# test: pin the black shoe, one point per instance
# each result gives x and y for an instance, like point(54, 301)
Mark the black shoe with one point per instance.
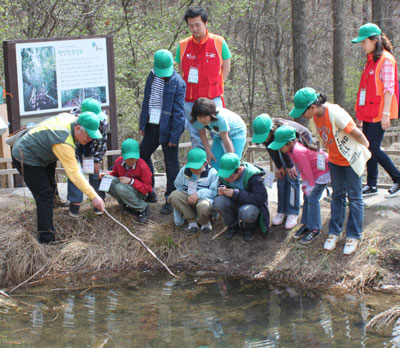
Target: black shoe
point(309, 236)
point(97, 211)
point(369, 191)
point(151, 197)
point(166, 209)
point(143, 216)
point(74, 210)
point(126, 210)
point(231, 232)
point(300, 232)
point(248, 235)
point(46, 237)
point(394, 191)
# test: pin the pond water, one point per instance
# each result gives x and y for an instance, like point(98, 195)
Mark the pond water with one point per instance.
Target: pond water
point(155, 311)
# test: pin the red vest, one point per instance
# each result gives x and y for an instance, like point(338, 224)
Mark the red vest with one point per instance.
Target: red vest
point(372, 109)
point(206, 56)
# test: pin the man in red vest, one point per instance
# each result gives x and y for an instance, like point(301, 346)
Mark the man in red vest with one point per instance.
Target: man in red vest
point(204, 63)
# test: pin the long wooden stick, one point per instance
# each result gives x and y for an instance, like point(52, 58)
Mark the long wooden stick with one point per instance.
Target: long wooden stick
point(141, 242)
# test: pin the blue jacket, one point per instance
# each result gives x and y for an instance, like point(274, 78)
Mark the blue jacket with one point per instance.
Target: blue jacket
point(207, 186)
point(172, 121)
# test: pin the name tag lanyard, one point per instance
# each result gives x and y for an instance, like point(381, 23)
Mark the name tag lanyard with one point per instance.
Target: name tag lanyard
point(193, 76)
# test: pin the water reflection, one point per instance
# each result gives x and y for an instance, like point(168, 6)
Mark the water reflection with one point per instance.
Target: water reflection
point(206, 313)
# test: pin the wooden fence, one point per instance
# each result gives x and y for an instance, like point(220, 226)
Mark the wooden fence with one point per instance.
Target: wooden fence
point(7, 172)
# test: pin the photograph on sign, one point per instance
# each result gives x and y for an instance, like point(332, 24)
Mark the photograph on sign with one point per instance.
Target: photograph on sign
point(58, 75)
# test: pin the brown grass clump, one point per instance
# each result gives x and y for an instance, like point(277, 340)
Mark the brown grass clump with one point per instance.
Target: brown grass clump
point(385, 318)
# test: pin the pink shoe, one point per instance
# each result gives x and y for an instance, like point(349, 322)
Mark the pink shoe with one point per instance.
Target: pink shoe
point(291, 221)
point(278, 219)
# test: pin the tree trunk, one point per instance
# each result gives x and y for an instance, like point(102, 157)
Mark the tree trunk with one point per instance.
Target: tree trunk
point(377, 13)
point(366, 12)
point(300, 47)
point(338, 52)
point(277, 58)
point(388, 19)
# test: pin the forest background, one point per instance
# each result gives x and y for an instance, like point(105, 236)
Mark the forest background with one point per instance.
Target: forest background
point(277, 46)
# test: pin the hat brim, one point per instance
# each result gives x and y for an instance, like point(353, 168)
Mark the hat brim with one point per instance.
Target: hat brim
point(359, 39)
point(129, 155)
point(195, 165)
point(94, 134)
point(225, 173)
point(276, 145)
point(296, 112)
point(260, 138)
point(164, 72)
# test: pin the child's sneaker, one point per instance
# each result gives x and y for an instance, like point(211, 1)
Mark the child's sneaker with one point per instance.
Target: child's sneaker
point(291, 221)
point(278, 219)
point(193, 227)
point(74, 210)
point(394, 191)
point(350, 246)
point(369, 191)
point(309, 237)
point(207, 228)
point(300, 232)
point(330, 243)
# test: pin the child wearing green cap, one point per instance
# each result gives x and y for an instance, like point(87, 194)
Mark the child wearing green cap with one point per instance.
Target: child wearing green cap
point(377, 104)
point(196, 187)
point(242, 198)
point(314, 170)
point(348, 152)
point(94, 152)
point(288, 183)
point(131, 180)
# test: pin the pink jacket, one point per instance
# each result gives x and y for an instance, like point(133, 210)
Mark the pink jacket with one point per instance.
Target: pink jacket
point(306, 162)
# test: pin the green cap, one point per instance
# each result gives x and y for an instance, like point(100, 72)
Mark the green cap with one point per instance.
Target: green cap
point(283, 135)
point(130, 149)
point(366, 31)
point(163, 63)
point(196, 158)
point(228, 163)
point(303, 99)
point(90, 104)
point(262, 124)
point(90, 122)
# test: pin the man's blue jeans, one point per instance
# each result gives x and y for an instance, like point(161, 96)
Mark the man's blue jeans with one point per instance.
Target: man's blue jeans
point(194, 133)
point(311, 216)
point(346, 181)
point(374, 133)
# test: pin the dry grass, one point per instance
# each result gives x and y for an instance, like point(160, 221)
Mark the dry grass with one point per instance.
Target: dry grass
point(384, 319)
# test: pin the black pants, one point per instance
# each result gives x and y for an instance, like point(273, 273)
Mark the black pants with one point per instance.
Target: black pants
point(41, 182)
point(149, 144)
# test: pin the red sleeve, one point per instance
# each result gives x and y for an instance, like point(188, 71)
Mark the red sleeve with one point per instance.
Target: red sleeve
point(143, 178)
point(117, 163)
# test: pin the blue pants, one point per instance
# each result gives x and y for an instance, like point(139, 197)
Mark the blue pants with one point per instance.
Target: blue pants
point(149, 144)
point(74, 195)
point(233, 213)
point(311, 216)
point(218, 150)
point(344, 181)
point(194, 133)
point(374, 133)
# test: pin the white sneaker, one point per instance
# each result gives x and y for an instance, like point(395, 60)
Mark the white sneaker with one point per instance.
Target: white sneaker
point(350, 246)
point(207, 228)
point(330, 243)
point(193, 227)
point(291, 221)
point(278, 219)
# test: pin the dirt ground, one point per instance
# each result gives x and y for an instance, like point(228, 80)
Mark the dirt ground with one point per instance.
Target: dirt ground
point(96, 244)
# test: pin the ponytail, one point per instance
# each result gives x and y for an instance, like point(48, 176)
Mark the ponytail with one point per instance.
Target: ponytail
point(382, 42)
point(321, 99)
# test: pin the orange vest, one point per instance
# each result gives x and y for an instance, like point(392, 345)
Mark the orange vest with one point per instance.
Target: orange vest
point(206, 56)
point(372, 109)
